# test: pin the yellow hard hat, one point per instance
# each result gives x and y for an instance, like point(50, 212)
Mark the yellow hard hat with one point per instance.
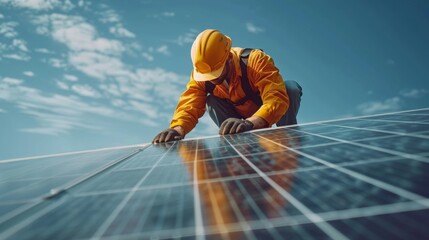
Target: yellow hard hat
point(209, 53)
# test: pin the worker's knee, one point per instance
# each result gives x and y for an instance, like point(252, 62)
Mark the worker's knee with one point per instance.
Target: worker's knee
point(214, 102)
point(294, 90)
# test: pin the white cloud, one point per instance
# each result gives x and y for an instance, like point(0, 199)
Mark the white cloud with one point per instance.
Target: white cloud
point(101, 58)
point(155, 86)
point(163, 49)
point(93, 55)
point(57, 63)
point(28, 73)
point(2, 111)
point(43, 50)
point(82, 3)
point(97, 65)
point(55, 113)
point(111, 89)
point(133, 48)
point(186, 38)
point(148, 56)
point(164, 15)
point(62, 85)
point(7, 29)
point(120, 31)
point(109, 16)
point(373, 107)
point(132, 94)
point(12, 81)
point(253, 29)
point(3, 47)
point(15, 48)
point(20, 44)
point(40, 4)
point(76, 34)
point(168, 14)
point(51, 130)
point(414, 93)
point(145, 108)
point(19, 56)
point(1, 16)
point(85, 90)
point(118, 103)
point(52, 123)
point(70, 78)
point(161, 86)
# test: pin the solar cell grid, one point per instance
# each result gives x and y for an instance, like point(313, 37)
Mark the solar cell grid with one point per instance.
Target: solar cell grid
point(404, 173)
point(343, 179)
point(345, 153)
point(399, 118)
point(114, 180)
point(405, 144)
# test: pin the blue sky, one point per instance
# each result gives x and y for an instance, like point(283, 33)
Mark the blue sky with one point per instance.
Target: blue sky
point(78, 75)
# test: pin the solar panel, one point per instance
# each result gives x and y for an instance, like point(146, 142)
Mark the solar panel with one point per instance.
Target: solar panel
point(353, 178)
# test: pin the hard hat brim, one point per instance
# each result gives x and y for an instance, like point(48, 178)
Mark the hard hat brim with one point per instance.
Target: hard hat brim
point(202, 77)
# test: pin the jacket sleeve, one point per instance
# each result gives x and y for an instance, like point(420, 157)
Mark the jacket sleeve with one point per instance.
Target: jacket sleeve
point(191, 106)
point(266, 78)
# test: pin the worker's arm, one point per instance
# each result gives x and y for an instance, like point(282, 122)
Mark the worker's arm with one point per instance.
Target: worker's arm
point(265, 77)
point(190, 108)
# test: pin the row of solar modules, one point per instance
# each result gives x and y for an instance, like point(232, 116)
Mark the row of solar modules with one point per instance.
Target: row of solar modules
point(338, 179)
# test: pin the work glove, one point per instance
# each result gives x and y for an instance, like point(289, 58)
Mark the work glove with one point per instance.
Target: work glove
point(235, 125)
point(167, 135)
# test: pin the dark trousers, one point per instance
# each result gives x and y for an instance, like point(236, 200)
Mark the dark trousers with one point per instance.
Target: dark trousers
point(220, 109)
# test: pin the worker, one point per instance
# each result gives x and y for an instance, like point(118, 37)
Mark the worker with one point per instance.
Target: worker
point(217, 83)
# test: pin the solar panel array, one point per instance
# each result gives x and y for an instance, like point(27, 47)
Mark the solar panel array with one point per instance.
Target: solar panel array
point(362, 178)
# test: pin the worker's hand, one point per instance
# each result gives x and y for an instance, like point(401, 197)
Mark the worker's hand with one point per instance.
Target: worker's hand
point(235, 125)
point(167, 135)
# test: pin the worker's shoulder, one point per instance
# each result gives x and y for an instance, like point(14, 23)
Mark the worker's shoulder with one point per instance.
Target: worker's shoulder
point(238, 50)
point(257, 56)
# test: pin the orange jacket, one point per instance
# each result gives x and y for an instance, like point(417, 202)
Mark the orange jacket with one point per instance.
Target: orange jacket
point(263, 76)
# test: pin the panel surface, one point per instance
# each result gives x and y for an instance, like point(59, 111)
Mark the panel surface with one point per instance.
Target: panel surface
point(360, 178)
